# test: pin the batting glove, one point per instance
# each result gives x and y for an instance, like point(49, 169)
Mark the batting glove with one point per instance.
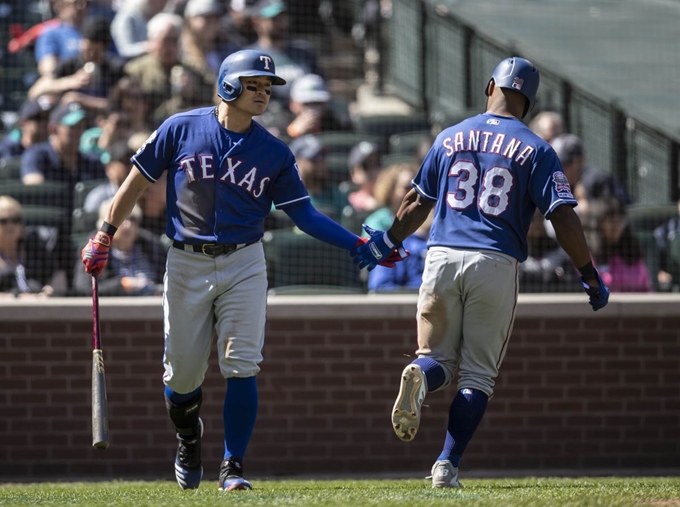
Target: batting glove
point(380, 249)
point(95, 254)
point(599, 296)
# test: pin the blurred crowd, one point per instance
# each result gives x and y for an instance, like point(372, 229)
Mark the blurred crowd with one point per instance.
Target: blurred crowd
point(107, 73)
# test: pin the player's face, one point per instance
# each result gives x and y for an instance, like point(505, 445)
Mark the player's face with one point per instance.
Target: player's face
point(255, 95)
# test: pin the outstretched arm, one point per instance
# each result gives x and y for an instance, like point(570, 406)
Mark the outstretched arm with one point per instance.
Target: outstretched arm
point(310, 221)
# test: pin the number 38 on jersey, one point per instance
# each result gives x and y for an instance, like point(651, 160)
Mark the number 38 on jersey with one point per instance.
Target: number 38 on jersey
point(493, 191)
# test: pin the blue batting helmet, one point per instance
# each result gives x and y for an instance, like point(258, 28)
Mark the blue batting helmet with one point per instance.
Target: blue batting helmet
point(247, 62)
point(517, 74)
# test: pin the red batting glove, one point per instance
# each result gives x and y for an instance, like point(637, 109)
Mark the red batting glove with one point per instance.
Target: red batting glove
point(96, 253)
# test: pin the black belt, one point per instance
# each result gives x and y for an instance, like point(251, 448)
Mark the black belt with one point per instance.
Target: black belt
point(212, 249)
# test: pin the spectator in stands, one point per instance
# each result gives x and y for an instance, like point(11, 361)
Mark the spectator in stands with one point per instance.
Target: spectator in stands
point(667, 237)
point(31, 127)
point(204, 45)
point(587, 183)
point(406, 276)
point(390, 188)
point(129, 26)
point(88, 77)
point(117, 169)
point(311, 161)
point(169, 84)
point(364, 168)
point(310, 107)
point(27, 266)
point(239, 24)
point(127, 96)
point(619, 256)
point(294, 57)
point(136, 261)
point(111, 127)
point(59, 159)
point(547, 125)
point(547, 268)
point(61, 40)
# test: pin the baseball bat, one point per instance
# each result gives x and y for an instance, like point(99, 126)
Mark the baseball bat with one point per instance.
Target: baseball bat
point(100, 417)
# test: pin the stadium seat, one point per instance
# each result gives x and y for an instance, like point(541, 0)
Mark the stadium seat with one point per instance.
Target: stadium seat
point(83, 221)
point(353, 219)
point(277, 219)
point(337, 167)
point(47, 216)
point(294, 258)
point(407, 142)
point(49, 193)
point(83, 188)
point(398, 158)
point(385, 126)
point(343, 141)
point(10, 169)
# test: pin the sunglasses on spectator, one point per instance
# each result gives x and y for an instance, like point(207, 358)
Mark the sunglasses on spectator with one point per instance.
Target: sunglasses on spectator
point(12, 220)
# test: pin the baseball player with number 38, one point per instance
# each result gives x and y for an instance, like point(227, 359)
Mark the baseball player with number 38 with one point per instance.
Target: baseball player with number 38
point(224, 173)
point(484, 177)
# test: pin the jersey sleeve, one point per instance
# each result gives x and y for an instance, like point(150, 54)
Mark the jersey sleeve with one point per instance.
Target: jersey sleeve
point(426, 181)
point(548, 185)
point(288, 188)
point(46, 45)
point(32, 162)
point(155, 155)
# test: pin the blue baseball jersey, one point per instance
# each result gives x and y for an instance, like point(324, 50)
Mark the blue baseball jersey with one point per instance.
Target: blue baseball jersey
point(488, 175)
point(221, 184)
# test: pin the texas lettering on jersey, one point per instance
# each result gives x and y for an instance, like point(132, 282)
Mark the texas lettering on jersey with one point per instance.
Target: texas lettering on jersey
point(202, 168)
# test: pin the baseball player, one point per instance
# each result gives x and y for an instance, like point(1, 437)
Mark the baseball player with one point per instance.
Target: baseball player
point(484, 177)
point(224, 171)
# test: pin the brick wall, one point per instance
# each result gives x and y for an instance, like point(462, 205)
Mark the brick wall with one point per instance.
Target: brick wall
point(577, 390)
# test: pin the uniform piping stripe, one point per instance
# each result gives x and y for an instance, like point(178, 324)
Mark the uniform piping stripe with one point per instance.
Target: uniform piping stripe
point(557, 203)
point(290, 202)
point(139, 166)
point(512, 320)
point(420, 191)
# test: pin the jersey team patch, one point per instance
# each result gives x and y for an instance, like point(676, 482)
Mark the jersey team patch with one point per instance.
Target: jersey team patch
point(492, 121)
point(561, 183)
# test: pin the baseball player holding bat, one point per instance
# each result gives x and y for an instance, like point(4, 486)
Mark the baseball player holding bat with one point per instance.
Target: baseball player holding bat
point(224, 171)
point(484, 177)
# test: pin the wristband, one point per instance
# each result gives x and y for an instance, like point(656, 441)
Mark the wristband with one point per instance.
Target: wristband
point(588, 272)
point(108, 228)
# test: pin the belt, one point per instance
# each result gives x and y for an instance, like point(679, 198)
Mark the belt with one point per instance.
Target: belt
point(212, 249)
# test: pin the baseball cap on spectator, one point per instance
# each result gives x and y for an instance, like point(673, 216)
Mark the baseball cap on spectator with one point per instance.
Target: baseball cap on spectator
point(34, 108)
point(67, 114)
point(269, 8)
point(568, 148)
point(308, 89)
point(202, 8)
point(360, 153)
point(97, 29)
point(306, 147)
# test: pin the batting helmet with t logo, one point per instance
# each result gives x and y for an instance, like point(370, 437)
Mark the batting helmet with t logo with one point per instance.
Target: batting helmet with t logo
point(519, 75)
point(248, 62)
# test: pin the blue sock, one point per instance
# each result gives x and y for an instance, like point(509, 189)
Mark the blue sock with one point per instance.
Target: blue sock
point(240, 412)
point(466, 410)
point(434, 373)
point(181, 399)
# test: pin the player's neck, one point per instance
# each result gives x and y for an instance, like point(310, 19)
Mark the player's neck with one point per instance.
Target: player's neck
point(500, 111)
point(233, 119)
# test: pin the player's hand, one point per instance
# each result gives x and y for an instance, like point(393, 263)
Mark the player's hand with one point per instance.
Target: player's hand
point(599, 295)
point(380, 249)
point(96, 253)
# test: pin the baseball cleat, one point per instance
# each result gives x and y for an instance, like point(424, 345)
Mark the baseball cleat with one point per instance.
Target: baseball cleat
point(444, 475)
point(406, 411)
point(231, 476)
point(188, 469)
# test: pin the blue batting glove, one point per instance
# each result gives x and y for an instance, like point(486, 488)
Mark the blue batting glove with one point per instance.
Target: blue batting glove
point(374, 251)
point(599, 296)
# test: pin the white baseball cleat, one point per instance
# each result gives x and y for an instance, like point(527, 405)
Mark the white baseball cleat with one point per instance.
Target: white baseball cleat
point(406, 411)
point(444, 475)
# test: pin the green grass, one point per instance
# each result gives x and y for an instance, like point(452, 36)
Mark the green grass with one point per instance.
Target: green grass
point(526, 492)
